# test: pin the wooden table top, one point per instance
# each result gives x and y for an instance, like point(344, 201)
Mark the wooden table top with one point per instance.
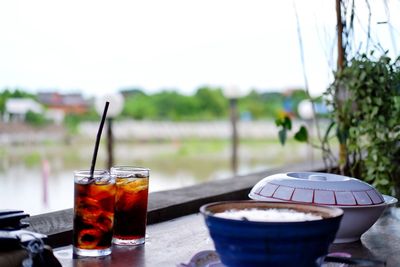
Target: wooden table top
point(176, 241)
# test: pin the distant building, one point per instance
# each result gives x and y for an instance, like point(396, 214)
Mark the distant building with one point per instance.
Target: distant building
point(17, 108)
point(58, 105)
point(73, 103)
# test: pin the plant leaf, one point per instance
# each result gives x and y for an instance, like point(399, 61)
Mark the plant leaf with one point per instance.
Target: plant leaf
point(328, 130)
point(282, 136)
point(278, 122)
point(302, 134)
point(383, 181)
point(287, 123)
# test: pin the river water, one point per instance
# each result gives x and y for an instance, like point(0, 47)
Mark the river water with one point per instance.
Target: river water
point(39, 178)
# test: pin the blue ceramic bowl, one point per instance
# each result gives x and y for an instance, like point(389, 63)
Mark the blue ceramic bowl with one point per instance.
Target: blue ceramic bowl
point(241, 243)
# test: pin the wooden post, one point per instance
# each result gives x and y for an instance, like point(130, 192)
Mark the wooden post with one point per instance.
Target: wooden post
point(234, 117)
point(338, 93)
point(110, 157)
point(340, 59)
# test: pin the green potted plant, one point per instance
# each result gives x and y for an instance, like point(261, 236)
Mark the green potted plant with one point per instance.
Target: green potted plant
point(365, 110)
point(367, 118)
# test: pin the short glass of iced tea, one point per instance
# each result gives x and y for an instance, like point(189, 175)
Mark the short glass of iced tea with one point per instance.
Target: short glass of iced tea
point(93, 213)
point(130, 204)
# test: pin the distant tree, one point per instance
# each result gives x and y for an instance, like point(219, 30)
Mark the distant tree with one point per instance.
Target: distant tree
point(187, 108)
point(16, 93)
point(208, 103)
point(273, 102)
point(299, 94)
point(71, 122)
point(3, 99)
point(90, 115)
point(130, 92)
point(212, 101)
point(254, 104)
point(139, 106)
point(19, 93)
point(174, 106)
point(36, 119)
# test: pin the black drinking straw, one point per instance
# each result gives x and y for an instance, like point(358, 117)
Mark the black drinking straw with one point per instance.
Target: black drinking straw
point(96, 146)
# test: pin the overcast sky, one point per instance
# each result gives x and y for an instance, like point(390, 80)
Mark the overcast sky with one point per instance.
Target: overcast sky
point(96, 46)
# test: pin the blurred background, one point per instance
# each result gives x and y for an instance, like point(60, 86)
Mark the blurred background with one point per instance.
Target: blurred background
point(197, 87)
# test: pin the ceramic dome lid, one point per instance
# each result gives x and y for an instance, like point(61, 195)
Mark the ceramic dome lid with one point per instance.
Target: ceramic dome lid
point(316, 188)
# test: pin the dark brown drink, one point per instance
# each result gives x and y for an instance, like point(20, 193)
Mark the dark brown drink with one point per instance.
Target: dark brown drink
point(93, 216)
point(130, 207)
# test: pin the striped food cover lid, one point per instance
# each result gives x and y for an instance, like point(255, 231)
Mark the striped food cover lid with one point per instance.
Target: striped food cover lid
point(316, 188)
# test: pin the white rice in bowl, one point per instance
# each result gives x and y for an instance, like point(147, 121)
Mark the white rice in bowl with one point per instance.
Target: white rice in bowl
point(268, 215)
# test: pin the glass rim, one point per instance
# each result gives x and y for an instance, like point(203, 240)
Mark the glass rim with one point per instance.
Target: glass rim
point(96, 173)
point(129, 168)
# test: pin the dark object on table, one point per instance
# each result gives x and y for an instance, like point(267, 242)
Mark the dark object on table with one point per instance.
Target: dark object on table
point(11, 219)
point(10, 224)
point(39, 254)
point(19, 247)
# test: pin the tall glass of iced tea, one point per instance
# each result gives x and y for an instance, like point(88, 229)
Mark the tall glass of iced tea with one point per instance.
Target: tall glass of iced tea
point(130, 204)
point(93, 213)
